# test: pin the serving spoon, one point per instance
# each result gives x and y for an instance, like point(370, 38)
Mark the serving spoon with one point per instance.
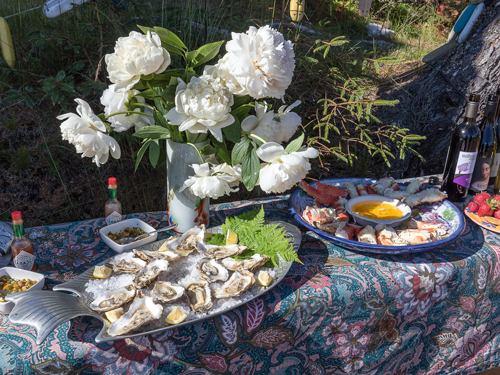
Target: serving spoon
point(127, 240)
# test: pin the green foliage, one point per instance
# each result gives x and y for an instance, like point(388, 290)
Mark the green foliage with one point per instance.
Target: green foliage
point(258, 237)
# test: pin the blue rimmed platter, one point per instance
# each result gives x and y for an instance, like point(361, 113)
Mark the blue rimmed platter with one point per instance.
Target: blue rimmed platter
point(444, 213)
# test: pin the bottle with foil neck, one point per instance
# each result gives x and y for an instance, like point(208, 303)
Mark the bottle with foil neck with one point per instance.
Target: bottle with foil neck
point(462, 154)
point(22, 249)
point(113, 207)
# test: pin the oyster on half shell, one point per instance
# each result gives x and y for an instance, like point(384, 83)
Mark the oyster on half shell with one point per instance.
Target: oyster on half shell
point(126, 262)
point(219, 252)
point(239, 282)
point(150, 256)
point(142, 311)
point(167, 292)
point(200, 298)
point(113, 299)
point(212, 271)
point(185, 244)
point(251, 264)
point(149, 273)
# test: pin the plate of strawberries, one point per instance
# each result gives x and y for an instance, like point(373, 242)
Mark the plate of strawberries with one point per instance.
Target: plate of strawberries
point(484, 210)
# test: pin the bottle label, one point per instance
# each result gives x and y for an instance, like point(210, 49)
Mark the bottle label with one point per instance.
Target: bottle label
point(465, 167)
point(24, 260)
point(481, 175)
point(496, 165)
point(113, 217)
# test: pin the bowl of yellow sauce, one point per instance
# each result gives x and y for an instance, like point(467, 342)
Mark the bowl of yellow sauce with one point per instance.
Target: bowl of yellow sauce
point(377, 209)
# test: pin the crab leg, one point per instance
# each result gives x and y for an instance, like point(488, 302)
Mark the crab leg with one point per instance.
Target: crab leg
point(325, 199)
point(333, 191)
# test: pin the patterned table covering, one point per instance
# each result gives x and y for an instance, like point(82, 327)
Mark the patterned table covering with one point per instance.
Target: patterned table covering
point(340, 312)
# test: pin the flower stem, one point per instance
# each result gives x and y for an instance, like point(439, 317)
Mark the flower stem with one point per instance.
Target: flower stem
point(198, 151)
point(143, 105)
point(255, 136)
point(131, 112)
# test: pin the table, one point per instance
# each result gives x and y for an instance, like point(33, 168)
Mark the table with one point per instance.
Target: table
point(340, 312)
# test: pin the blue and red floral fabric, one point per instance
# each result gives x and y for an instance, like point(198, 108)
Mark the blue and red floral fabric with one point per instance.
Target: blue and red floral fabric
point(339, 312)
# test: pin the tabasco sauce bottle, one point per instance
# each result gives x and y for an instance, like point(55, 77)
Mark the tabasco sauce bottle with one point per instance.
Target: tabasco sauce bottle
point(22, 250)
point(113, 207)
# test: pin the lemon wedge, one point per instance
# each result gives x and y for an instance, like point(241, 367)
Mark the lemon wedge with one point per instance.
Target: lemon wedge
point(264, 278)
point(176, 316)
point(231, 238)
point(114, 315)
point(102, 272)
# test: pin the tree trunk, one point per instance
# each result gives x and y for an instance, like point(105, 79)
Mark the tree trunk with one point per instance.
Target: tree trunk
point(432, 97)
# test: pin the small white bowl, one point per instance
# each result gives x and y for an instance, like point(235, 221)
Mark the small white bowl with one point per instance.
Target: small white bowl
point(119, 227)
point(361, 220)
point(19, 274)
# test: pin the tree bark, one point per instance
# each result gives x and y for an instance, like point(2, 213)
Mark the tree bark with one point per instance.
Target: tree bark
point(433, 97)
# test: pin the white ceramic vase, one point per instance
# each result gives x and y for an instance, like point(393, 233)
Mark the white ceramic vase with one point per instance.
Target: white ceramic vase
point(184, 208)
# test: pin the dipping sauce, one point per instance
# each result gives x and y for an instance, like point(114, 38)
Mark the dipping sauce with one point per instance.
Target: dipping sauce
point(377, 210)
point(9, 285)
point(128, 232)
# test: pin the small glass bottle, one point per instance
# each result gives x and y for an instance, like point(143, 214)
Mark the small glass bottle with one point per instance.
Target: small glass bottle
point(22, 250)
point(113, 207)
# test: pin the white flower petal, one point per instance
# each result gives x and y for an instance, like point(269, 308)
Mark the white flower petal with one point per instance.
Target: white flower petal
point(270, 151)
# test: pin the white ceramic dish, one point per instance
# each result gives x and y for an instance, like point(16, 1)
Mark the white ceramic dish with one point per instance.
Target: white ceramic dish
point(19, 274)
point(119, 227)
point(361, 220)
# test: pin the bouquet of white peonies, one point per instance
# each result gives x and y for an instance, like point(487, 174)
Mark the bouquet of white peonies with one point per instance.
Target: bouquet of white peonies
point(223, 109)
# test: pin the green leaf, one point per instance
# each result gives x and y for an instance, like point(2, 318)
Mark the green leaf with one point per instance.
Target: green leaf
point(141, 152)
point(60, 75)
point(154, 153)
point(222, 152)
point(239, 101)
point(169, 40)
point(160, 120)
point(206, 53)
point(239, 150)
point(208, 150)
point(147, 94)
point(233, 131)
point(311, 59)
point(242, 111)
point(152, 131)
point(295, 144)
point(250, 168)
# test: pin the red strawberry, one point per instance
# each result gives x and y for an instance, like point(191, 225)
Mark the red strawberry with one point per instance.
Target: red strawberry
point(496, 197)
point(473, 206)
point(485, 209)
point(481, 197)
point(497, 214)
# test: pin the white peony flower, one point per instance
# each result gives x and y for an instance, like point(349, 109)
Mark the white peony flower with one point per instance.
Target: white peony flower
point(203, 104)
point(272, 127)
point(261, 61)
point(282, 170)
point(115, 100)
point(134, 56)
point(289, 122)
point(212, 182)
point(222, 70)
point(86, 133)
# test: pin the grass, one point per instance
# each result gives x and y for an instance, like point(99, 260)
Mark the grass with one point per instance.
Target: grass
point(62, 58)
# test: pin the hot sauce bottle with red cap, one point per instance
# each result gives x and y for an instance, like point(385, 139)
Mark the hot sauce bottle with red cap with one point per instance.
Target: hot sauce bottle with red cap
point(22, 250)
point(113, 207)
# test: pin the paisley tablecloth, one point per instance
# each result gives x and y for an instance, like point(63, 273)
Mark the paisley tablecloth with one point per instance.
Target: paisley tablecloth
point(340, 312)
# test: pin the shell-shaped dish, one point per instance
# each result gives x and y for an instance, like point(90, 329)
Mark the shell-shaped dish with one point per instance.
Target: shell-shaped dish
point(151, 256)
point(212, 271)
point(113, 299)
point(239, 282)
point(251, 264)
point(219, 252)
point(200, 298)
point(186, 243)
point(167, 292)
point(142, 311)
point(126, 262)
point(149, 273)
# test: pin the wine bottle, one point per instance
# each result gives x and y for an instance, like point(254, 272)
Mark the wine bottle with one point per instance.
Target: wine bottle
point(495, 168)
point(462, 154)
point(487, 147)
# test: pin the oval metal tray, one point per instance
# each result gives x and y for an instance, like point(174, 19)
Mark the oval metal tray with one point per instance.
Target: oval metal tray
point(53, 308)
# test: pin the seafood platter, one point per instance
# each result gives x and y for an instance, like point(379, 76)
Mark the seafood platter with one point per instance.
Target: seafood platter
point(349, 212)
point(159, 286)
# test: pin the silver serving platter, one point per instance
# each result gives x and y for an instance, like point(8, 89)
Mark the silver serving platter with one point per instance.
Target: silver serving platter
point(46, 310)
